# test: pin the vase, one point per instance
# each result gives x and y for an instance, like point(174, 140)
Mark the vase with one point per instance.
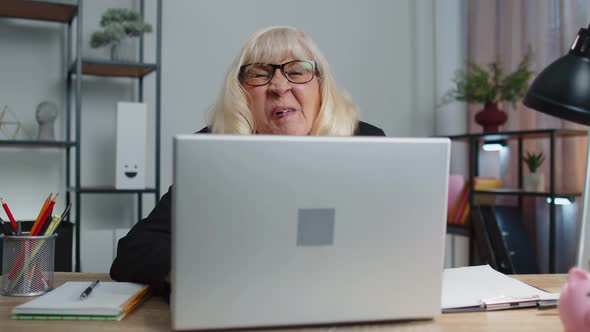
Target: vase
point(490, 118)
point(124, 50)
point(115, 51)
point(534, 182)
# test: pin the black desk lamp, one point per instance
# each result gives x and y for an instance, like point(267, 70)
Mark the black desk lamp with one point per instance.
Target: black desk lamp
point(563, 90)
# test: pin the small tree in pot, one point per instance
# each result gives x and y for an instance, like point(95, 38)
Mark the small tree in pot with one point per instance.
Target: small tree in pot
point(490, 87)
point(534, 181)
point(117, 24)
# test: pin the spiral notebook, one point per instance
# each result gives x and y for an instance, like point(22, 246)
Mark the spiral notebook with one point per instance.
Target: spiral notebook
point(108, 301)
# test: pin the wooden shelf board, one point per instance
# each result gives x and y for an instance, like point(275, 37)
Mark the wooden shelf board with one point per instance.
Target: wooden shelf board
point(38, 10)
point(114, 68)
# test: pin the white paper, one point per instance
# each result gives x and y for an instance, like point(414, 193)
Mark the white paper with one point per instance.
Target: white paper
point(106, 299)
point(468, 286)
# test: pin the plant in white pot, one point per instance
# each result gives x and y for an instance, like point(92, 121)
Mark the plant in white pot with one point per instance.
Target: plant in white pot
point(118, 24)
point(534, 181)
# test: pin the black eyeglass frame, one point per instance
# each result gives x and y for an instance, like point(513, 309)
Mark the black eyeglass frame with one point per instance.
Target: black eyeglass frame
point(282, 68)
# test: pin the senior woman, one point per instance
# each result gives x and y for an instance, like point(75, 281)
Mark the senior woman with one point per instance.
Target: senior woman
point(280, 83)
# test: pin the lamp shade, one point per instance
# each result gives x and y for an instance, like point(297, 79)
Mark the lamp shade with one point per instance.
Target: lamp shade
point(563, 88)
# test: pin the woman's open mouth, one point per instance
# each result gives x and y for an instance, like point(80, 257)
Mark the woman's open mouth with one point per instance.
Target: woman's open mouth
point(282, 112)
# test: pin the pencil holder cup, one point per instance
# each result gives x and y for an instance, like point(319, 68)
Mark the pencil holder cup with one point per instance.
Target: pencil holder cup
point(27, 264)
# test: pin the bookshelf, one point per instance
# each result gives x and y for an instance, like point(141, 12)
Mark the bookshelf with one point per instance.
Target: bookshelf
point(63, 13)
point(475, 141)
point(69, 13)
point(82, 67)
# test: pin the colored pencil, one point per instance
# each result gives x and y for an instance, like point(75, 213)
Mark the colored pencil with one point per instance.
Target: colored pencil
point(41, 213)
point(9, 214)
point(48, 211)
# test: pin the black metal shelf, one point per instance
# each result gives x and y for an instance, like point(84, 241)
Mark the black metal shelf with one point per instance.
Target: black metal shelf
point(39, 10)
point(525, 134)
point(520, 192)
point(64, 11)
point(80, 66)
point(36, 144)
point(110, 190)
point(109, 68)
point(476, 140)
point(457, 229)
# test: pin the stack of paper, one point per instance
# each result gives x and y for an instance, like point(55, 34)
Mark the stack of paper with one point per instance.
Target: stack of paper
point(483, 288)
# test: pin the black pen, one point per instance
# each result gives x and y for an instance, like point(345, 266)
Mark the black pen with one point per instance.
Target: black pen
point(88, 290)
point(64, 214)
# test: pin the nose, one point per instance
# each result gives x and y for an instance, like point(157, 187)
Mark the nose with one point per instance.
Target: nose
point(279, 83)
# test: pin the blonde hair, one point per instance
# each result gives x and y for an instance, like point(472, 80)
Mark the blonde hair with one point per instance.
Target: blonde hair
point(232, 115)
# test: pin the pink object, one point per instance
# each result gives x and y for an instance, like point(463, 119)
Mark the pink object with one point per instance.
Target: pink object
point(574, 301)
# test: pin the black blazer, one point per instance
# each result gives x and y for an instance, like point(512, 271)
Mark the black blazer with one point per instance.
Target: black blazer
point(363, 129)
point(143, 255)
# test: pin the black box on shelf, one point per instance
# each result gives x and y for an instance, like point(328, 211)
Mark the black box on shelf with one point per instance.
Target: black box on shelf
point(63, 245)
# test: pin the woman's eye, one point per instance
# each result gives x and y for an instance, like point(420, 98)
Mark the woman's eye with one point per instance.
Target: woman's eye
point(294, 73)
point(258, 74)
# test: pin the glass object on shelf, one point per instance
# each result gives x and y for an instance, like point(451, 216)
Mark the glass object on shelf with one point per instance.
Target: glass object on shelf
point(9, 124)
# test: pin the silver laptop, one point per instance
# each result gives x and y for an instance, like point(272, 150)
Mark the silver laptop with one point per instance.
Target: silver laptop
point(285, 230)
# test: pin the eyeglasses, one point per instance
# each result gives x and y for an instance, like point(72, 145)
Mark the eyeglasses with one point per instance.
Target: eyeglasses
point(258, 74)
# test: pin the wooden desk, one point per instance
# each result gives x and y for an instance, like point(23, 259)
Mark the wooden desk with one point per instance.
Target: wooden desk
point(154, 315)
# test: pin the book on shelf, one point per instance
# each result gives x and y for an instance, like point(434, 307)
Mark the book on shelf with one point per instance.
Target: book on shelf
point(456, 186)
point(486, 183)
point(458, 204)
point(455, 214)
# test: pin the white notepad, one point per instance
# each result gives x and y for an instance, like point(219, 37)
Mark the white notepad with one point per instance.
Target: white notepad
point(108, 300)
point(483, 288)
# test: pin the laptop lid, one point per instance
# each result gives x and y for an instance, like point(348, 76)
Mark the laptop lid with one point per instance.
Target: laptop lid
point(287, 230)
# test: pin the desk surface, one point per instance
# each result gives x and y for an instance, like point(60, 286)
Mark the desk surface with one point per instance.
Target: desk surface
point(154, 315)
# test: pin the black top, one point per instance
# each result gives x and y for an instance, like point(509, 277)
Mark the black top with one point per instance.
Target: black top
point(143, 255)
point(363, 129)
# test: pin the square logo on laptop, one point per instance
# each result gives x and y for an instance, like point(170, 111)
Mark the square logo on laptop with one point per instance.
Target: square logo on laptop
point(315, 227)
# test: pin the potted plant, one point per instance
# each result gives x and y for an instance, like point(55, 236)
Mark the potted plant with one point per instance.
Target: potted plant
point(491, 87)
point(534, 181)
point(118, 24)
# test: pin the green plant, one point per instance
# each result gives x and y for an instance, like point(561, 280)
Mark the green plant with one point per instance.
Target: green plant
point(478, 85)
point(118, 23)
point(533, 160)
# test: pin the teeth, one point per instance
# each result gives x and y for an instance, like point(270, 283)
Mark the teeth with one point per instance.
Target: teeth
point(281, 112)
